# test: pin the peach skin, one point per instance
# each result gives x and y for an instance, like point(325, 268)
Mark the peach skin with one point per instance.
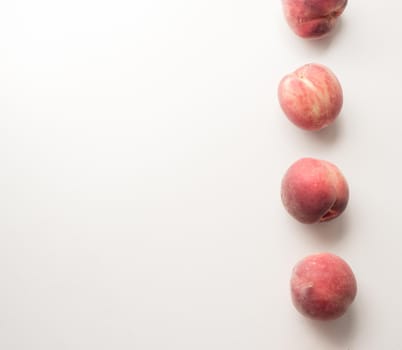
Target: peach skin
point(322, 286)
point(313, 18)
point(314, 191)
point(311, 97)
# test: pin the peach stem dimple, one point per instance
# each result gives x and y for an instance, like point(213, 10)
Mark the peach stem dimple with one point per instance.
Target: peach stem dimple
point(328, 215)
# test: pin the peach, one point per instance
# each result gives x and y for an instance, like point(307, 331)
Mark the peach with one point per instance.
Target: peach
point(313, 18)
point(314, 190)
point(311, 97)
point(322, 286)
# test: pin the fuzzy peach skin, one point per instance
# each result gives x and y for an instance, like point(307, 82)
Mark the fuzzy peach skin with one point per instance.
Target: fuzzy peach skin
point(314, 190)
point(322, 286)
point(313, 18)
point(311, 97)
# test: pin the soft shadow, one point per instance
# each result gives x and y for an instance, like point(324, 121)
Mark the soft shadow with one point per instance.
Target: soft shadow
point(328, 135)
point(323, 44)
point(340, 331)
point(330, 232)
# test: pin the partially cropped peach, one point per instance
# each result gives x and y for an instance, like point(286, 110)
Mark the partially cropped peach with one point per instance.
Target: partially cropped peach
point(311, 97)
point(323, 286)
point(314, 190)
point(313, 18)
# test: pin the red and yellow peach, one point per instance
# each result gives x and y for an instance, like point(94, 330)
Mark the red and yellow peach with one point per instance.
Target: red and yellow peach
point(322, 286)
point(313, 18)
point(314, 190)
point(311, 97)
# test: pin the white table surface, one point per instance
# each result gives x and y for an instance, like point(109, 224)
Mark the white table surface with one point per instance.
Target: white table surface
point(141, 152)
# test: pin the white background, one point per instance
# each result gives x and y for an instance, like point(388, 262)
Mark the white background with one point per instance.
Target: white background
point(141, 152)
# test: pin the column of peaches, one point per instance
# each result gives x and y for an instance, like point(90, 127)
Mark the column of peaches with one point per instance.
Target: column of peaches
point(313, 190)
